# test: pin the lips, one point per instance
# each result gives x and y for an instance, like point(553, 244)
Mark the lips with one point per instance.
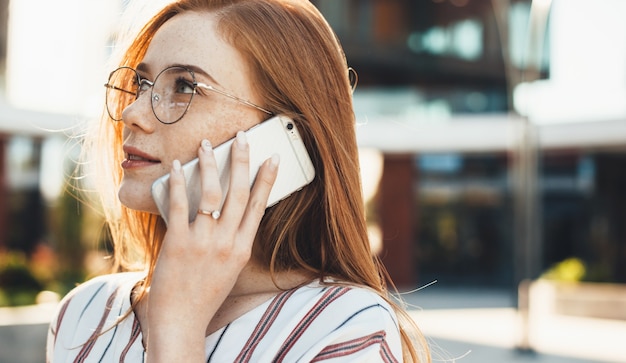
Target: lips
point(135, 158)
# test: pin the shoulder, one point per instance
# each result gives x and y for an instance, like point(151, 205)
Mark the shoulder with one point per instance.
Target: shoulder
point(104, 285)
point(89, 310)
point(351, 301)
point(343, 321)
point(99, 294)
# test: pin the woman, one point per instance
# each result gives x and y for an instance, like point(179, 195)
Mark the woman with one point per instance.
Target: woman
point(293, 282)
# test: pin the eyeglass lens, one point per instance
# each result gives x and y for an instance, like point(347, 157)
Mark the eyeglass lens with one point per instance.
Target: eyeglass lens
point(121, 90)
point(170, 95)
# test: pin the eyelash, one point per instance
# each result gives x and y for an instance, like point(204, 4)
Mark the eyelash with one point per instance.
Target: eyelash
point(184, 82)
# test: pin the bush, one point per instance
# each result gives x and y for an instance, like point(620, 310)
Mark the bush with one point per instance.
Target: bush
point(569, 270)
point(18, 286)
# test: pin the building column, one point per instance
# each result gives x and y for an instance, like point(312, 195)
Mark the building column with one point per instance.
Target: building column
point(3, 193)
point(397, 210)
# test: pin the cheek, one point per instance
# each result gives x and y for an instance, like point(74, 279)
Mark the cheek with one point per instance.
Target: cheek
point(218, 128)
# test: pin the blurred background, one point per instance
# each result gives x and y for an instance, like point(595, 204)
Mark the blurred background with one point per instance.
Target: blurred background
point(493, 139)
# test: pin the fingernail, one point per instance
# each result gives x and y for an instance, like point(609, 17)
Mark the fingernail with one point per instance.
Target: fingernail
point(274, 161)
point(206, 146)
point(242, 142)
point(176, 166)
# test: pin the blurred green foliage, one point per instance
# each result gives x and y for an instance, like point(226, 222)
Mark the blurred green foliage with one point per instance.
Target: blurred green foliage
point(56, 261)
point(18, 285)
point(569, 270)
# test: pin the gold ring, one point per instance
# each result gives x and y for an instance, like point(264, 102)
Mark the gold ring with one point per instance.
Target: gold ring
point(215, 214)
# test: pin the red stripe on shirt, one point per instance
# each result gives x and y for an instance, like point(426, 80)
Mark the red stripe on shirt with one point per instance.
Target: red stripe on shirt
point(328, 297)
point(136, 329)
point(60, 319)
point(356, 345)
point(386, 353)
point(264, 325)
point(86, 349)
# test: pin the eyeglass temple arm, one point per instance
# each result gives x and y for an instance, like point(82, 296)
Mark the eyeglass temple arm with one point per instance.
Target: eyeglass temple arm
point(248, 103)
point(110, 86)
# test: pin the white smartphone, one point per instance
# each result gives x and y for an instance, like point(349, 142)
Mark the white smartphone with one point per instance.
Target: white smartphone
point(277, 135)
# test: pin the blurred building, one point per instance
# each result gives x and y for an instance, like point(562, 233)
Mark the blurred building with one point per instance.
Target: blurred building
point(52, 67)
point(503, 129)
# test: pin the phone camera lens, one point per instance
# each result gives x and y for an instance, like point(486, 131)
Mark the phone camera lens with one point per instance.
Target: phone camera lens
point(289, 126)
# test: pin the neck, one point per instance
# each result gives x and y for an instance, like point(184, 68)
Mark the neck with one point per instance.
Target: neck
point(255, 279)
point(255, 285)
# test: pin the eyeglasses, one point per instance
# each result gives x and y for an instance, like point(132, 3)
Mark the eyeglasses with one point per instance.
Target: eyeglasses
point(170, 97)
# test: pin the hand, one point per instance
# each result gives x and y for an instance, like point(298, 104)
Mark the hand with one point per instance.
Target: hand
point(200, 262)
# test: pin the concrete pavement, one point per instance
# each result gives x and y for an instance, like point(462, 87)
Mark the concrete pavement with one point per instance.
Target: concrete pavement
point(472, 326)
point(23, 332)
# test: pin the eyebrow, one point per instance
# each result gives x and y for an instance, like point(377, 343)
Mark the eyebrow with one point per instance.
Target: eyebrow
point(143, 67)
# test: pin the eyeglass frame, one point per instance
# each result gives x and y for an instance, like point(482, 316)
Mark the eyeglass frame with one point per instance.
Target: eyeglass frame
point(195, 84)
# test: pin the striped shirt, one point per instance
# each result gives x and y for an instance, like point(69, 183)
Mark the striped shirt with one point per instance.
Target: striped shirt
point(313, 323)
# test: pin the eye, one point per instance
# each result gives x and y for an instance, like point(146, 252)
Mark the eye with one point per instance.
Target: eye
point(144, 85)
point(184, 86)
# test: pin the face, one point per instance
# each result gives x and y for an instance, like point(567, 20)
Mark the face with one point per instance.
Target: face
point(150, 147)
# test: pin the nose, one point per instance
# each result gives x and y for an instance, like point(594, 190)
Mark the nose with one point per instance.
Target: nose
point(138, 116)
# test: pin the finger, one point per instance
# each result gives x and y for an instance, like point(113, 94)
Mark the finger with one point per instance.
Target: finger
point(239, 184)
point(211, 190)
point(259, 195)
point(179, 209)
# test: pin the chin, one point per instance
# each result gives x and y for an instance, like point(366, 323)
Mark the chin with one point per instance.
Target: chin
point(139, 200)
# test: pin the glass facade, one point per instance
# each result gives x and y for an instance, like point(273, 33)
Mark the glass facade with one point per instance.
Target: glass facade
point(464, 218)
point(455, 52)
